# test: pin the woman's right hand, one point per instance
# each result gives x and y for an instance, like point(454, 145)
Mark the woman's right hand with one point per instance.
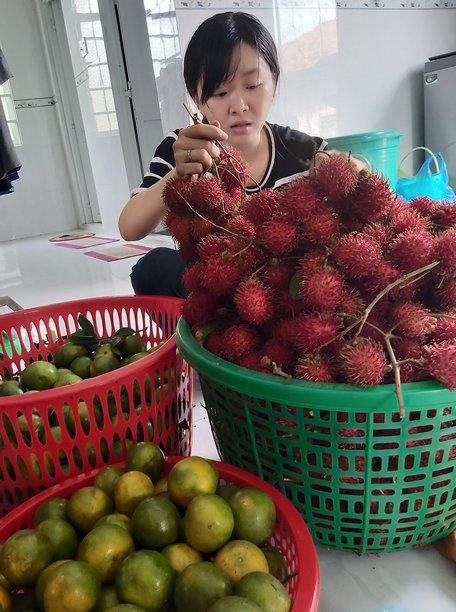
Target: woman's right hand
point(195, 149)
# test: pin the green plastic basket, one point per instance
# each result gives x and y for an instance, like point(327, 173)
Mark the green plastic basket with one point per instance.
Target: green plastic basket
point(363, 478)
point(380, 149)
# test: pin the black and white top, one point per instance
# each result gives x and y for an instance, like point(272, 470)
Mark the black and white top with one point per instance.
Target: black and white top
point(291, 152)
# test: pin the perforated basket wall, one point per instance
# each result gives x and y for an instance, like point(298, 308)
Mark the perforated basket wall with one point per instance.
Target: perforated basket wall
point(363, 478)
point(47, 436)
point(290, 536)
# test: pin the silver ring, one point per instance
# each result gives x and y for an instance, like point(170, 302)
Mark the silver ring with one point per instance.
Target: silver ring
point(189, 156)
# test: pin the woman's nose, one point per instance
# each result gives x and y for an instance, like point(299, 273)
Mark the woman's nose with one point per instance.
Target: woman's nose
point(238, 104)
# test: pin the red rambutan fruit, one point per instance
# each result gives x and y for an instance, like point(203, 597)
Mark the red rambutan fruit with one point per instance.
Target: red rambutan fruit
point(241, 226)
point(250, 258)
point(278, 273)
point(356, 255)
point(313, 330)
point(284, 330)
point(411, 320)
point(440, 361)
point(299, 199)
point(321, 291)
point(262, 205)
point(177, 195)
point(187, 250)
point(232, 170)
point(335, 178)
point(285, 305)
point(424, 205)
point(311, 262)
point(279, 353)
point(314, 367)
point(240, 339)
point(445, 293)
point(215, 343)
point(380, 233)
point(178, 225)
point(412, 249)
point(375, 327)
point(253, 302)
point(445, 331)
point(320, 228)
point(199, 307)
point(372, 197)
point(445, 252)
point(220, 276)
point(207, 197)
point(351, 303)
point(406, 348)
point(201, 227)
point(278, 235)
point(191, 278)
point(214, 246)
point(363, 363)
point(406, 219)
point(444, 215)
point(252, 361)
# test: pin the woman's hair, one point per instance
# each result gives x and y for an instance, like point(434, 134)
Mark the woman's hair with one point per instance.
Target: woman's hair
point(208, 57)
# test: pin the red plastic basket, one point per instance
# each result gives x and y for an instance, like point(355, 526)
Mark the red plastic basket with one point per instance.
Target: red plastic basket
point(290, 536)
point(149, 399)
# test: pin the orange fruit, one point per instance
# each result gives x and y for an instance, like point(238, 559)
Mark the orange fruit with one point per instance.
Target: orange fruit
point(108, 598)
point(155, 522)
point(39, 375)
point(264, 590)
point(233, 603)
point(208, 523)
point(24, 556)
point(146, 579)
point(131, 488)
point(51, 508)
point(73, 586)
point(125, 608)
point(66, 353)
point(63, 538)
point(146, 457)
point(199, 586)
point(42, 581)
point(5, 600)
point(181, 555)
point(254, 515)
point(189, 477)
point(240, 557)
point(116, 518)
point(107, 478)
point(87, 505)
point(104, 548)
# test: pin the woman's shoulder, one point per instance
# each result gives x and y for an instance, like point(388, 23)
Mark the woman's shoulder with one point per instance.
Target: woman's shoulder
point(287, 136)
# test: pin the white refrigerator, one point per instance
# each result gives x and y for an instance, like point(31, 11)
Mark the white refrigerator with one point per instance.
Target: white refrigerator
point(440, 109)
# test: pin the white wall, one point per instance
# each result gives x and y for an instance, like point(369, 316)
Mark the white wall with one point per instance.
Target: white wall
point(43, 198)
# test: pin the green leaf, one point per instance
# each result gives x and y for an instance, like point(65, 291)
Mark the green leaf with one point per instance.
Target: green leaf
point(124, 331)
point(86, 326)
point(293, 287)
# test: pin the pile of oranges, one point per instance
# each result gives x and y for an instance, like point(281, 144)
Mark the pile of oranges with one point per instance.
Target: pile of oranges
point(137, 540)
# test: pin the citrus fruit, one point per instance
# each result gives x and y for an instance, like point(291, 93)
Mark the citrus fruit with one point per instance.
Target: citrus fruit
point(146, 579)
point(108, 598)
point(200, 585)
point(130, 345)
point(81, 366)
point(265, 590)
point(42, 581)
point(63, 538)
point(39, 375)
point(276, 562)
point(180, 555)
point(116, 518)
point(208, 523)
point(136, 357)
point(24, 556)
point(66, 377)
point(4, 582)
point(107, 477)
point(51, 508)
point(146, 457)
point(155, 522)
point(254, 515)
point(161, 486)
point(66, 353)
point(87, 505)
point(190, 477)
point(233, 603)
point(74, 586)
point(125, 608)
point(5, 600)
point(227, 490)
point(103, 364)
point(11, 387)
point(239, 557)
point(104, 548)
point(131, 488)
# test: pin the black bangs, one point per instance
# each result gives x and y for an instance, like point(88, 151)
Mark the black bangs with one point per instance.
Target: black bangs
point(211, 49)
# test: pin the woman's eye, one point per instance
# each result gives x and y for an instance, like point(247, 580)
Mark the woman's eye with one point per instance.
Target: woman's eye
point(255, 86)
point(220, 94)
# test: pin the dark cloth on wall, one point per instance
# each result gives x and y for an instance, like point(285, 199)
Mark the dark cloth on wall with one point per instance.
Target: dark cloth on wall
point(6, 183)
point(9, 161)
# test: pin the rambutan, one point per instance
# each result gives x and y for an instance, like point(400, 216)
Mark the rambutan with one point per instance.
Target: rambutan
point(278, 235)
point(335, 178)
point(351, 304)
point(375, 327)
point(187, 250)
point(284, 330)
point(215, 342)
point(177, 195)
point(252, 361)
point(372, 197)
point(178, 225)
point(412, 249)
point(262, 206)
point(440, 361)
point(191, 278)
point(241, 226)
point(207, 197)
point(232, 170)
point(356, 255)
point(240, 339)
point(314, 367)
point(406, 348)
point(277, 273)
point(363, 363)
point(314, 330)
point(285, 305)
point(201, 227)
point(445, 252)
point(321, 291)
point(320, 228)
point(445, 293)
point(411, 320)
point(220, 275)
point(279, 353)
point(199, 307)
point(250, 258)
point(403, 220)
point(214, 246)
point(299, 199)
point(311, 262)
point(379, 232)
point(444, 215)
point(253, 301)
point(445, 330)
point(424, 205)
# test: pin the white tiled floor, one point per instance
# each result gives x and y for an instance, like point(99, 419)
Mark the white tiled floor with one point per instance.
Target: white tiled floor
point(35, 272)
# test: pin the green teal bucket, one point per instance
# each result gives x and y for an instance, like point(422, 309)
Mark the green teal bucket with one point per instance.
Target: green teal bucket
point(380, 149)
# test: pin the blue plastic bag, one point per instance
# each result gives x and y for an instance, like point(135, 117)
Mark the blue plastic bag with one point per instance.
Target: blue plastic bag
point(426, 183)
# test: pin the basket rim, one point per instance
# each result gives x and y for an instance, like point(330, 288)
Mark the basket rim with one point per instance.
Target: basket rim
point(90, 384)
point(293, 391)
point(308, 579)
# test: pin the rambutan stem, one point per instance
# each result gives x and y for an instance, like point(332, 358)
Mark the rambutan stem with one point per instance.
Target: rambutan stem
point(397, 375)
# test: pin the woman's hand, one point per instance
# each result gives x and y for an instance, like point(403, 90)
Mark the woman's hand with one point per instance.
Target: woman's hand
point(355, 163)
point(195, 149)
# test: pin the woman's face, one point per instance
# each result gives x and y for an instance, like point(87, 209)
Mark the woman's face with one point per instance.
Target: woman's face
point(241, 105)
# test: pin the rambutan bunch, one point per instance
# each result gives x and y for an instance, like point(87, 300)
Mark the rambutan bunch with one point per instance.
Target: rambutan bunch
point(299, 199)
point(180, 226)
point(322, 290)
point(208, 198)
point(372, 197)
point(412, 249)
point(334, 178)
point(232, 171)
point(278, 235)
point(320, 229)
point(177, 195)
point(261, 206)
point(445, 252)
point(356, 254)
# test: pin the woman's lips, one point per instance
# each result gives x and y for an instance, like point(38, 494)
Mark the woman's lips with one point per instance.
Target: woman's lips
point(240, 128)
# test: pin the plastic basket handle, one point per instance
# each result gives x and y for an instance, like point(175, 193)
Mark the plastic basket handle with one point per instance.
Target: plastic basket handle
point(432, 156)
